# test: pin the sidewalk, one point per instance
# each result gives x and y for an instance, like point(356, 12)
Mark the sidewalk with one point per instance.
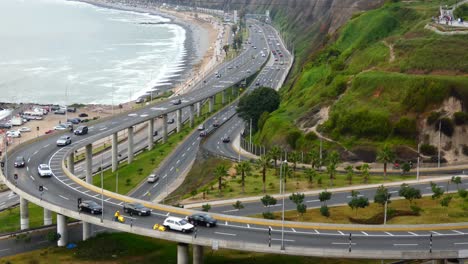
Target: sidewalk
point(316, 192)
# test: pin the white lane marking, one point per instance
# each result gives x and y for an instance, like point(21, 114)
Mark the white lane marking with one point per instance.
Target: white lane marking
point(104, 128)
point(120, 203)
point(225, 222)
point(364, 233)
point(133, 114)
point(342, 243)
point(388, 233)
point(45, 188)
point(46, 146)
point(341, 233)
point(64, 197)
point(248, 226)
point(43, 241)
point(456, 231)
point(156, 184)
point(178, 161)
point(87, 191)
point(35, 152)
point(29, 159)
point(143, 115)
point(107, 199)
point(2, 203)
point(436, 233)
point(316, 231)
point(225, 234)
point(461, 243)
point(189, 148)
point(183, 154)
point(165, 175)
point(193, 143)
point(279, 239)
point(168, 214)
point(412, 233)
point(404, 245)
point(393, 192)
point(294, 230)
point(32, 177)
point(312, 201)
point(233, 210)
point(5, 249)
point(172, 169)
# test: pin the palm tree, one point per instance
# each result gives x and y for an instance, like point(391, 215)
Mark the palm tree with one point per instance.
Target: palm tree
point(333, 160)
point(243, 168)
point(294, 158)
point(275, 154)
point(220, 172)
point(263, 163)
point(314, 156)
point(385, 156)
point(349, 174)
point(365, 172)
point(311, 173)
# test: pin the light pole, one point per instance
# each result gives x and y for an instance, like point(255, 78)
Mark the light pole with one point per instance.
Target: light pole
point(102, 191)
point(282, 189)
point(440, 139)
point(417, 166)
point(385, 212)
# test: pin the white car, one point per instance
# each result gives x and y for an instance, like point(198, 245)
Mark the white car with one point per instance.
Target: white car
point(13, 133)
point(152, 178)
point(178, 224)
point(24, 129)
point(44, 170)
point(60, 127)
point(63, 141)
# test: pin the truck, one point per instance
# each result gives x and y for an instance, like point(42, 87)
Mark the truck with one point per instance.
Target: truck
point(17, 121)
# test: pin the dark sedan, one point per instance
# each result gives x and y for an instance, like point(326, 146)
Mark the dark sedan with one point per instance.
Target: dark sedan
point(202, 219)
point(20, 162)
point(90, 206)
point(136, 208)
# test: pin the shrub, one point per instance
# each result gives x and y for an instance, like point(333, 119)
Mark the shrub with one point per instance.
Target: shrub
point(429, 150)
point(324, 211)
point(406, 128)
point(292, 138)
point(416, 209)
point(433, 117)
point(311, 136)
point(462, 193)
point(460, 118)
point(446, 126)
point(206, 207)
point(268, 215)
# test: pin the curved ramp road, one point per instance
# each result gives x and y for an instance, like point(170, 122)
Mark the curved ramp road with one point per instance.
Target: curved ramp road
point(63, 189)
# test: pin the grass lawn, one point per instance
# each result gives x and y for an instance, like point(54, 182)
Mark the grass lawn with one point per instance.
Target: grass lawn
point(128, 248)
point(433, 212)
point(254, 186)
point(10, 222)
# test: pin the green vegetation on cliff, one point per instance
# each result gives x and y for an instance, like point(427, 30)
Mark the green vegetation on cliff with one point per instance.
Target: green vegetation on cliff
point(380, 74)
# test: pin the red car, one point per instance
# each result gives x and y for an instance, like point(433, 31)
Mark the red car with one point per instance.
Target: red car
point(50, 131)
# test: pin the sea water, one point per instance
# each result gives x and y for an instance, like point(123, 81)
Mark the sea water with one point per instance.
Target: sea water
point(58, 51)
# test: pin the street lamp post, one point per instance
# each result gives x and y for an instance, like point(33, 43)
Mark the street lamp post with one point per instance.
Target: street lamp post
point(102, 190)
point(282, 190)
point(417, 167)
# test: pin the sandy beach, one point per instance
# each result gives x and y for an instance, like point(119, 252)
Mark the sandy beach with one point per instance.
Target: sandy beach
point(205, 37)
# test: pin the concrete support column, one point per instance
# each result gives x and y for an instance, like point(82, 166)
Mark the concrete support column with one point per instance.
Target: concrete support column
point(182, 253)
point(89, 163)
point(223, 96)
point(24, 213)
point(199, 109)
point(197, 254)
point(47, 217)
point(211, 102)
point(164, 135)
point(87, 228)
point(71, 163)
point(191, 115)
point(115, 152)
point(150, 133)
point(62, 230)
point(179, 120)
point(130, 144)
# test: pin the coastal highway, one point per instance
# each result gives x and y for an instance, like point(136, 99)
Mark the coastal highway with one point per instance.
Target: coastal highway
point(62, 191)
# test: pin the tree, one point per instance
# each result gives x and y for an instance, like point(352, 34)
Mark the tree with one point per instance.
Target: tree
point(445, 202)
point(311, 173)
point(324, 211)
point(288, 172)
point(294, 158)
point(357, 201)
point(457, 180)
point(365, 172)
point(226, 48)
point(333, 160)
point(301, 209)
point(268, 200)
point(349, 174)
point(275, 154)
point(234, 29)
point(252, 105)
point(437, 191)
point(263, 163)
point(243, 168)
point(220, 172)
point(238, 205)
point(297, 198)
point(314, 156)
point(324, 197)
point(385, 155)
point(410, 193)
point(382, 196)
point(206, 207)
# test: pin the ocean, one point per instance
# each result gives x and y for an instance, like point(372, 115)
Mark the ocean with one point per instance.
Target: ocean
point(64, 52)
